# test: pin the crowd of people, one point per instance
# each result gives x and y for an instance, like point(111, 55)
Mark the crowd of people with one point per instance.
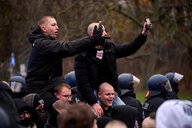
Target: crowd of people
point(93, 95)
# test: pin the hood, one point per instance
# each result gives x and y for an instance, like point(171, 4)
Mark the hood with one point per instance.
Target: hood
point(21, 105)
point(29, 99)
point(37, 33)
point(128, 114)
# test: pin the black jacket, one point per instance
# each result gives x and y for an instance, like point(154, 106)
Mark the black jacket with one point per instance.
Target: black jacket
point(172, 95)
point(124, 113)
point(129, 98)
point(7, 105)
point(90, 71)
point(45, 62)
point(151, 105)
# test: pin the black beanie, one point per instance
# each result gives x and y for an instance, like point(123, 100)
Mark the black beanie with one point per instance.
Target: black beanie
point(52, 83)
point(56, 81)
point(37, 101)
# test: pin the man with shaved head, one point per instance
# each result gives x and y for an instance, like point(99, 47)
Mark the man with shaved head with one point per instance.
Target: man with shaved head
point(45, 62)
point(115, 124)
point(98, 65)
point(91, 28)
point(106, 95)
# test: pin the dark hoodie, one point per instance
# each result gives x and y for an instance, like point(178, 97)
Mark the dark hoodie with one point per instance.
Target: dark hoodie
point(129, 98)
point(22, 106)
point(45, 62)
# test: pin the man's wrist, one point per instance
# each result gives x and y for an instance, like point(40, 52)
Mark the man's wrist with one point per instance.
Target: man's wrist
point(94, 104)
point(144, 33)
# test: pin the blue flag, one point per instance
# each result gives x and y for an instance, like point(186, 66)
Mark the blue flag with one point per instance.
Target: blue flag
point(12, 63)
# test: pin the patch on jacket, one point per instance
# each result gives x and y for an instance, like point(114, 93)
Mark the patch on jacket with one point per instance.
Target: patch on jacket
point(145, 106)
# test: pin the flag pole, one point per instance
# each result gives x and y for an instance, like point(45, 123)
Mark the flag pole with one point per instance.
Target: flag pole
point(12, 63)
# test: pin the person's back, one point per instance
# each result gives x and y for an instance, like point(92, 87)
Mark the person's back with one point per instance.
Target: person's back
point(129, 100)
point(45, 62)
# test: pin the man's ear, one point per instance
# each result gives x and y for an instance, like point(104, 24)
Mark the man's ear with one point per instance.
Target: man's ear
point(56, 94)
point(43, 29)
point(99, 94)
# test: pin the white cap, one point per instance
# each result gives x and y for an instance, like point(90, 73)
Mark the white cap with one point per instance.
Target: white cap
point(174, 114)
point(135, 80)
point(177, 77)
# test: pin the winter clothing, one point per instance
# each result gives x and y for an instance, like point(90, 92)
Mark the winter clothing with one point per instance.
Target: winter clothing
point(172, 95)
point(33, 99)
point(23, 106)
point(5, 121)
point(8, 106)
point(48, 97)
point(102, 121)
point(125, 113)
point(91, 71)
point(45, 62)
point(152, 104)
point(129, 98)
point(6, 87)
point(174, 114)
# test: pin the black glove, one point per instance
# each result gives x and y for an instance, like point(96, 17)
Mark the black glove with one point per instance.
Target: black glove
point(97, 35)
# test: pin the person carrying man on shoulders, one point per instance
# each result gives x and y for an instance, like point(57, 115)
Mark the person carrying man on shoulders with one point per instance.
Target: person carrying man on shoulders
point(98, 64)
point(45, 62)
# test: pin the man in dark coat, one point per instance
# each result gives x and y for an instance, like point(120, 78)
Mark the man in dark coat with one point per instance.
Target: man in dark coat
point(45, 62)
point(33, 99)
point(27, 113)
point(126, 82)
point(99, 64)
